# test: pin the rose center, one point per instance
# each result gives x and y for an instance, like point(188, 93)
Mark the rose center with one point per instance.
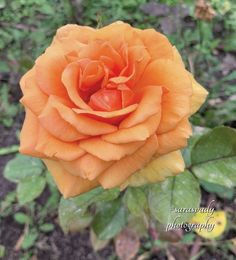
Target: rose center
point(107, 99)
point(101, 89)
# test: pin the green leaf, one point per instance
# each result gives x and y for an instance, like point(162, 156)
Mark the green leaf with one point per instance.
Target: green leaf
point(214, 157)
point(217, 143)
point(167, 198)
point(86, 198)
point(221, 171)
point(229, 42)
point(52, 202)
point(11, 196)
point(188, 238)
point(30, 188)
point(231, 76)
point(2, 251)
point(186, 152)
point(50, 181)
point(22, 167)
point(95, 195)
point(6, 204)
point(139, 224)
point(107, 195)
point(46, 227)
point(73, 214)
point(9, 149)
point(22, 218)
point(225, 111)
point(109, 220)
point(221, 191)
point(135, 200)
point(29, 239)
point(2, 4)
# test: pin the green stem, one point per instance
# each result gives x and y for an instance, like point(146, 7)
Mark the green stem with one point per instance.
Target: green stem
point(9, 150)
point(199, 26)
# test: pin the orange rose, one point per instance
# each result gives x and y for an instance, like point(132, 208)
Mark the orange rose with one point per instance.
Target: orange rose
point(102, 105)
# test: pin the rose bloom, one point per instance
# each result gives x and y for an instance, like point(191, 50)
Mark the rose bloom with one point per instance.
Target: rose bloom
point(108, 107)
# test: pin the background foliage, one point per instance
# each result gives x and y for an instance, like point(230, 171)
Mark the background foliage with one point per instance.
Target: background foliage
point(29, 199)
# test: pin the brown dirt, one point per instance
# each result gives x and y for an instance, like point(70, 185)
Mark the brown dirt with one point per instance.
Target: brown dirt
point(54, 246)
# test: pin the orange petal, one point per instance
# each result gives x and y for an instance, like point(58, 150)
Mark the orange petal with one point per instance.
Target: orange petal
point(122, 169)
point(175, 139)
point(52, 147)
point(107, 151)
point(139, 58)
point(92, 75)
point(33, 97)
point(83, 123)
point(97, 48)
point(29, 135)
point(49, 67)
point(76, 32)
point(51, 120)
point(106, 100)
point(30, 73)
point(138, 132)
point(158, 169)
point(70, 78)
point(168, 74)
point(198, 97)
point(87, 166)
point(73, 37)
point(150, 103)
point(117, 33)
point(177, 57)
point(109, 117)
point(175, 106)
point(69, 185)
point(156, 44)
point(199, 93)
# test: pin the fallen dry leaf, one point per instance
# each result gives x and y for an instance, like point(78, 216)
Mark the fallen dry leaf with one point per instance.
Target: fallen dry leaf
point(204, 11)
point(127, 244)
point(171, 235)
point(178, 251)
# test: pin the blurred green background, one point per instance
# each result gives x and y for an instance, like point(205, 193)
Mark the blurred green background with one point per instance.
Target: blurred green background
point(208, 48)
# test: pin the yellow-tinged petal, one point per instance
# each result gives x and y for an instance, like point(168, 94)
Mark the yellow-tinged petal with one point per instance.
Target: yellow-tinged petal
point(122, 169)
point(211, 224)
point(174, 139)
point(199, 93)
point(198, 97)
point(158, 169)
